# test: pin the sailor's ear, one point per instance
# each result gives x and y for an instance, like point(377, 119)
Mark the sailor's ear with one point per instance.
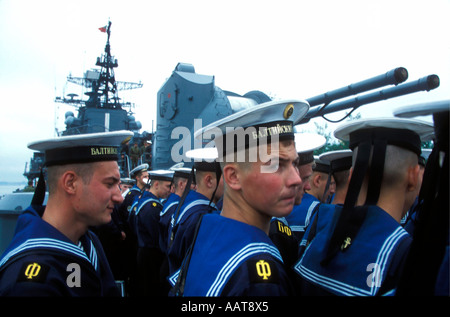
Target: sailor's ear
point(316, 179)
point(413, 177)
point(208, 180)
point(232, 176)
point(70, 182)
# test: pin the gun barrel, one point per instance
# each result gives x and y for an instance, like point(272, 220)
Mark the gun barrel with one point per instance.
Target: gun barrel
point(423, 84)
point(392, 77)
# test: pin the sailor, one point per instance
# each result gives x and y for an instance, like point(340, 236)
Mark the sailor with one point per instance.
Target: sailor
point(322, 187)
point(340, 164)
point(179, 184)
point(126, 184)
point(118, 238)
point(195, 204)
point(408, 221)
point(135, 153)
point(314, 193)
point(298, 219)
point(286, 234)
point(140, 175)
point(232, 254)
point(127, 258)
point(426, 270)
point(53, 252)
point(149, 255)
point(358, 249)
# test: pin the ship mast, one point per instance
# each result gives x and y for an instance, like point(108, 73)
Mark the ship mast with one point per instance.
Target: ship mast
point(107, 83)
point(102, 84)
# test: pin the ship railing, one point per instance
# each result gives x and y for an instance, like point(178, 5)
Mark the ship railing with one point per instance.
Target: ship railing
point(146, 158)
point(124, 165)
point(86, 128)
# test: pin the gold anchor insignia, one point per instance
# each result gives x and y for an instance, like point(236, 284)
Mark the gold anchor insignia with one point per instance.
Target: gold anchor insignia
point(346, 243)
point(288, 111)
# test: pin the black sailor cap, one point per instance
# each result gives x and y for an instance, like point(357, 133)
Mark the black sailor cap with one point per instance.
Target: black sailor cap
point(81, 148)
point(306, 143)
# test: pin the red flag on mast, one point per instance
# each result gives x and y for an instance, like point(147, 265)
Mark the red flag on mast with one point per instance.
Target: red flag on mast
point(103, 29)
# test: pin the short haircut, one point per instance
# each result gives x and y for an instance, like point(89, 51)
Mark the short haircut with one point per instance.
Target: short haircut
point(83, 170)
point(397, 162)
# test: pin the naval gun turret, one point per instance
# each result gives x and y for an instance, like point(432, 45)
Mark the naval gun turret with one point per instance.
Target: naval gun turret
point(334, 100)
point(186, 98)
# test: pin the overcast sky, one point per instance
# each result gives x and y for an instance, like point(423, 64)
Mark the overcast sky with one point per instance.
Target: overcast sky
point(287, 49)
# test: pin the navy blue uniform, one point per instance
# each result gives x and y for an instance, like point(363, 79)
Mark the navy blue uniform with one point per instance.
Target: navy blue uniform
point(195, 205)
point(133, 198)
point(300, 217)
point(147, 220)
point(282, 236)
point(129, 199)
point(369, 265)
point(231, 258)
point(131, 241)
point(40, 260)
point(149, 256)
point(170, 205)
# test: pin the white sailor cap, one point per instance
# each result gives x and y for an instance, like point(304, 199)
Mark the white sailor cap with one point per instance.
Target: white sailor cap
point(376, 134)
point(321, 165)
point(306, 143)
point(440, 111)
point(127, 181)
point(422, 109)
point(204, 158)
point(162, 175)
point(247, 127)
point(81, 148)
point(139, 168)
point(340, 160)
point(406, 133)
point(208, 154)
point(180, 171)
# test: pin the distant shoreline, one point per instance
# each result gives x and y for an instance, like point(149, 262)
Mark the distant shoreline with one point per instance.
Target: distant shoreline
point(10, 187)
point(12, 183)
